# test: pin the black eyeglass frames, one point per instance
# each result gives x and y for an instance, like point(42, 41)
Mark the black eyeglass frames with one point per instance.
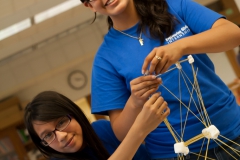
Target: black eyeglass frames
point(61, 125)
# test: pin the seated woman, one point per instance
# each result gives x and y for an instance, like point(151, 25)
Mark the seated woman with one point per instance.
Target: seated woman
point(59, 129)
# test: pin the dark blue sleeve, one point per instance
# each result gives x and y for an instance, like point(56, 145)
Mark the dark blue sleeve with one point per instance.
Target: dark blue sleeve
point(104, 131)
point(196, 16)
point(199, 18)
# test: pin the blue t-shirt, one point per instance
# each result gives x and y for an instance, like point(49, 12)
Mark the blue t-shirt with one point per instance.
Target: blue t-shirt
point(120, 58)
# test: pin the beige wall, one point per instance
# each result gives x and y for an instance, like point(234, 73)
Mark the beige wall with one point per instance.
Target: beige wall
point(238, 3)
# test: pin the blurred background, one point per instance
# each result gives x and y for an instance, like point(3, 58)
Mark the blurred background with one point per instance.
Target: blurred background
point(50, 45)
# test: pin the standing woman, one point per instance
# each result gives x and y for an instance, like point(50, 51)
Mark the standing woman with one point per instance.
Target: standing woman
point(60, 130)
point(149, 36)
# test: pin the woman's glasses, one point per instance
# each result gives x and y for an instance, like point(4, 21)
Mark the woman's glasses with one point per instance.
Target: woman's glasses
point(61, 125)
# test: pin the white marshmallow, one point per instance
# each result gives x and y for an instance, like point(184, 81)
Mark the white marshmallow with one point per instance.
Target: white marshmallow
point(181, 148)
point(178, 65)
point(211, 132)
point(190, 59)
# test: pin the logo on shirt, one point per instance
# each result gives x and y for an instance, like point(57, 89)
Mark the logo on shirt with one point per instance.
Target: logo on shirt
point(177, 35)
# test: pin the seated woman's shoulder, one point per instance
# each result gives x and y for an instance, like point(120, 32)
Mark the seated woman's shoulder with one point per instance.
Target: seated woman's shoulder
point(102, 126)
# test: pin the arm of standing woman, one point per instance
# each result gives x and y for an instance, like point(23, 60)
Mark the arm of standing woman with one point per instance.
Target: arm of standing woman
point(223, 35)
point(141, 89)
point(154, 111)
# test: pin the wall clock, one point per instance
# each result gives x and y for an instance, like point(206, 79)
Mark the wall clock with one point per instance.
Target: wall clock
point(77, 79)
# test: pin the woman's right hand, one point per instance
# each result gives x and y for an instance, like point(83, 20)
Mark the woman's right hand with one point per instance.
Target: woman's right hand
point(154, 111)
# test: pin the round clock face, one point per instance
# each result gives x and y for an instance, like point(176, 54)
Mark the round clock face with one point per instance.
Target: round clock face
point(77, 79)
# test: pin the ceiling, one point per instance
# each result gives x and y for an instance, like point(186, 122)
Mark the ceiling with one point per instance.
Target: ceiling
point(13, 11)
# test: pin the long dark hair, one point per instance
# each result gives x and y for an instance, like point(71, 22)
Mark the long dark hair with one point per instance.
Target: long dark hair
point(50, 105)
point(154, 16)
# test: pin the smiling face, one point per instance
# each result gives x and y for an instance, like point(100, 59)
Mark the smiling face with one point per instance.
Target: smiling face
point(112, 8)
point(123, 13)
point(69, 140)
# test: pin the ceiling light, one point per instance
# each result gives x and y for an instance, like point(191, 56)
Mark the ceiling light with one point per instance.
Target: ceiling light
point(13, 29)
point(55, 10)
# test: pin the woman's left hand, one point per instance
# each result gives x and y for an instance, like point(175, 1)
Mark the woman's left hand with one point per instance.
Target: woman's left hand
point(142, 88)
point(161, 58)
